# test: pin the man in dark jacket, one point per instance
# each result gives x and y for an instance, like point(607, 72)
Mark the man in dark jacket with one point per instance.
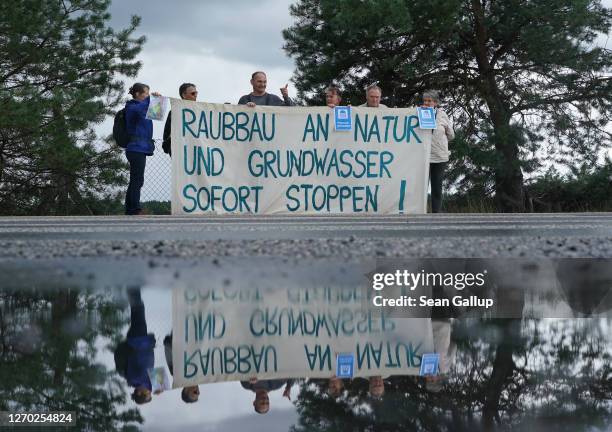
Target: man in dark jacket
point(187, 91)
point(134, 356)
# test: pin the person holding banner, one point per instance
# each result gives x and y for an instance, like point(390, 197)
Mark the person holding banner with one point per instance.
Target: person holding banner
point(261, 390)
point(258, 96)
point(187, 91)
point(333, 98)
point(373, 96)
point(439, 148)
point(140, 131)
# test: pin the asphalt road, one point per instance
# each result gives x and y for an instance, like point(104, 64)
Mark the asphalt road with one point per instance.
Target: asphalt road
point(340, 237)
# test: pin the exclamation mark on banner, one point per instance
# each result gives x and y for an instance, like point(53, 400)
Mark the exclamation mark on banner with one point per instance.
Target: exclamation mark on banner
point(402, 196)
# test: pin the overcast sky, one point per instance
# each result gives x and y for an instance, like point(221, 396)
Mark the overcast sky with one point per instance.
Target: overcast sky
point(215, 44)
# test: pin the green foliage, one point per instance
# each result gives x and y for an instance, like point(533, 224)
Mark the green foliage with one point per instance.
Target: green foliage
point(59, 64)
point(556, 376)
point(157, 207)
point(48, 348)
point(584, 189)
point(104, 205)
point(523, 79)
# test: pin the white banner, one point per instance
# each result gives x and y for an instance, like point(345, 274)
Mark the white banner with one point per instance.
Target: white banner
point(291, 160)
point(227, 334)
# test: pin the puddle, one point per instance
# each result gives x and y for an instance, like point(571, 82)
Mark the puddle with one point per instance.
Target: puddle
point(62, 324)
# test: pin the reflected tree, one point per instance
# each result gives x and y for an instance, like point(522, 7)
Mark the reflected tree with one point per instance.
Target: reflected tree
point(48, 346)
point(509, 374)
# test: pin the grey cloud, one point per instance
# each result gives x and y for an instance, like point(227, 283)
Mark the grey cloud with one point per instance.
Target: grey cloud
point(237, 30)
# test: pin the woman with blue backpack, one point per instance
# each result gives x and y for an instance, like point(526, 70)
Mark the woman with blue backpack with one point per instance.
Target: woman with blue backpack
point(139, 144)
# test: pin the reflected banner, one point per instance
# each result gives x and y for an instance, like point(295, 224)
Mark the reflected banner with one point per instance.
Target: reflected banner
point(239, 334)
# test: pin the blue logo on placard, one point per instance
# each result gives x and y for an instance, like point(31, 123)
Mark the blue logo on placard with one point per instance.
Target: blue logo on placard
point(429, 364)
point(344, 365)
point(342, 118)
point(427, 118)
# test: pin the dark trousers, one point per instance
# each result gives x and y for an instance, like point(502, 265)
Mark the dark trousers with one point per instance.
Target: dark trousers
point(436, 177)
point(137, 169)
point(138, 323)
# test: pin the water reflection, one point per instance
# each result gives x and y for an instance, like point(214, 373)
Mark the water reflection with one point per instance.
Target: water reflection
point(49, 357)
point(189, 394)
point(134, 355)
point(538, 375)
point(89, 351)
point(261, 388)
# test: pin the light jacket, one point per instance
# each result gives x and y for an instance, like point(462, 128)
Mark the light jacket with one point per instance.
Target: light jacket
point(441, 136)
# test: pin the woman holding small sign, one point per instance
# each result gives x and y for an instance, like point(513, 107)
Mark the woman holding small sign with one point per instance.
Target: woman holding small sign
point(140, 145)
point(439, 148)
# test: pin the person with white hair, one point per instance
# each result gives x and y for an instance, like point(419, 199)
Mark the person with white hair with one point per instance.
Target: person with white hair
point(373, 96)
point(439, 148)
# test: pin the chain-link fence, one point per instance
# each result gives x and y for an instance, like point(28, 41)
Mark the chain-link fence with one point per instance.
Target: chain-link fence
point(155, 194)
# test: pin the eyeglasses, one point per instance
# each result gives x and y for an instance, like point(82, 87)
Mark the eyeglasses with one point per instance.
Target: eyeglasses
point(193, 93)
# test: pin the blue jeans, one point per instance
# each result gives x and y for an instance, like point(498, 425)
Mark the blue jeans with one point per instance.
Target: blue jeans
point(137, 162)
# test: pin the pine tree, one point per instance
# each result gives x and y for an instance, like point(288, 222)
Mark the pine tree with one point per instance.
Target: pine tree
point(59, 68)
point(50, 357)
point(523, 79)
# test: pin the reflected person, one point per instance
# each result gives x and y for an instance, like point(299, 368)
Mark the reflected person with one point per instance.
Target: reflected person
point(189, 394)
point(261, 404)
point(134, 356)
point(376, 386)
point(335, 386)
point(446, 348)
